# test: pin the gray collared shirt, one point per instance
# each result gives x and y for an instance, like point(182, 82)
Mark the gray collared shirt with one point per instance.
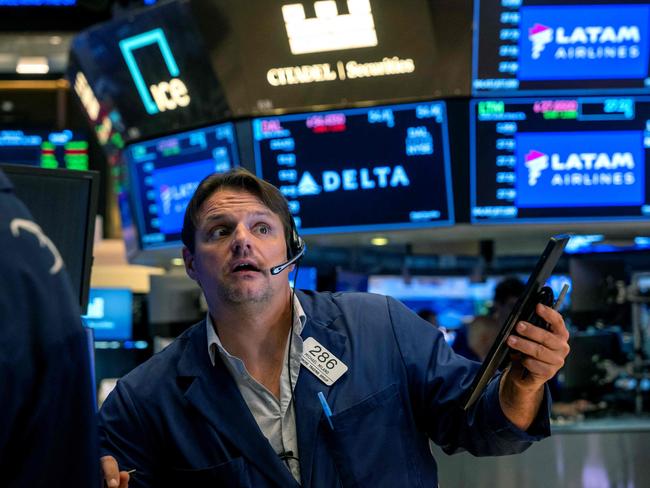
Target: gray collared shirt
point(276, 418)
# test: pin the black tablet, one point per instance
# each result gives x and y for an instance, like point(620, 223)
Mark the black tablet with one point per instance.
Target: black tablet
point(524, 310)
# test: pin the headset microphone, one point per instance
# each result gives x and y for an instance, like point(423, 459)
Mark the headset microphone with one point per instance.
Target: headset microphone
point(281, 267)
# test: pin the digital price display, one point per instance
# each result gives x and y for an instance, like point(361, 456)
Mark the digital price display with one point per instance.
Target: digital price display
point(364, 169)
point(164, 173)
point(536, 46)
point(560, 159)
point(47, 149)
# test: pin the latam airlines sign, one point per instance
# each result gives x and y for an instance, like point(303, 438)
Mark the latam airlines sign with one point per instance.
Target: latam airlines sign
point(584, 42)
point(577, 169)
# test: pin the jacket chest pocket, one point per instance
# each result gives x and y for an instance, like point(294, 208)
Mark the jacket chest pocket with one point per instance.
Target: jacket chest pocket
point(371, 442)
point(233, 473)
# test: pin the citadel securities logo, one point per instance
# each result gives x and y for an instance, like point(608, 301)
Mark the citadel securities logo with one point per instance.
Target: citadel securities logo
point(329, 30)
point(584, 42)
point(167, 95)
point(580, 169)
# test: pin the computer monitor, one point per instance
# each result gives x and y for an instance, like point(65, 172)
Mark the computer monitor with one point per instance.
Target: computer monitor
point(554, 46)
point(162, 175)
point(45, 148)
point(64, 204)
point(559, 159)
point(110, 314)
point(364, 169)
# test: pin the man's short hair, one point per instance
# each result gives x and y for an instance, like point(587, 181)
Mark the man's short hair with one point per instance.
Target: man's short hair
point(238, 179)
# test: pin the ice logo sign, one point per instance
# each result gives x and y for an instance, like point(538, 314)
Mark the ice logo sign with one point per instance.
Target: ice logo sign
point(536, 162)
point(539, 35)
point(164, 95)
point(329, 30)
point(581, 42)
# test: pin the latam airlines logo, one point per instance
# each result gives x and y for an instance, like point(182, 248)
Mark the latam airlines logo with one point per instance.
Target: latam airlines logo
point(329, 30)
point(164, 95)
point(577, 169)
point(539, 35)
point(584, 42)
point(177, 196)
point(537, 162)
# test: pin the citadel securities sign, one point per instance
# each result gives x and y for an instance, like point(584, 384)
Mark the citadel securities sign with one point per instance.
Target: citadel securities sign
point(577, 169)
point(331, 31)
point(306, 53)
point(583, 42)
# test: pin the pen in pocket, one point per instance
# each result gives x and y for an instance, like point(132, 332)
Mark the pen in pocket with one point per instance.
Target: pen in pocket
point(326, 409)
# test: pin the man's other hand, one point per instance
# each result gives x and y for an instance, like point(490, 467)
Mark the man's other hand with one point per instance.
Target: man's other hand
point(113, 477)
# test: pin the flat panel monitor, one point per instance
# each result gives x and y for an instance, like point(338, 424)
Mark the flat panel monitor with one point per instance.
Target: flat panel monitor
point(362, 169)
point(64, 204)
point(163, 174)
point(559, 159)
point(536, 46)
point(307, 276)
point(110, 314)
point(47, 149)
point(146, 74)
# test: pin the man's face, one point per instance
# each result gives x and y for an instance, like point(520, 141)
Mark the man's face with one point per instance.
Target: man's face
point(238, 240)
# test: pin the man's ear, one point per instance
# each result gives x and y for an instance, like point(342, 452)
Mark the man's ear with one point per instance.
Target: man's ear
point(188, 259)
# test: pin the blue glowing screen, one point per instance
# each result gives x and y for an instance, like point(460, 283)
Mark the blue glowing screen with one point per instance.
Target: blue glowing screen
point(532, 47)
point(164, 173)
point(110, 314)
point(559, 159)
point(360, 169)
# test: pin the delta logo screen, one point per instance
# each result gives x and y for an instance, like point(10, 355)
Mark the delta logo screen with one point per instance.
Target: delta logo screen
point(587, 42)
point(579, 169)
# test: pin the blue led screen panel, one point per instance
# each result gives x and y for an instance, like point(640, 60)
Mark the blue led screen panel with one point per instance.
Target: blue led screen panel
point(307, 276)
point(47, 149)
point(163, 174)
point(367, 169)
point(538, 46)
point(559, 159)
point(110, 314)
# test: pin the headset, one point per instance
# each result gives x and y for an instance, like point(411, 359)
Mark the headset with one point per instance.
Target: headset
point(296, 248)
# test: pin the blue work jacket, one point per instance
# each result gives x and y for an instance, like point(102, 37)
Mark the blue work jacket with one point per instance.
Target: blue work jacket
point(49, 427)
point(179, 421)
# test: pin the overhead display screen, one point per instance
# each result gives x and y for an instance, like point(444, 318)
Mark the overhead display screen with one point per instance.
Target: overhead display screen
point(146, 74)
point(47, 149)
point(329, 52)
point(535, 46)
point(163, 174)
point(377, 168)
point(560, 159)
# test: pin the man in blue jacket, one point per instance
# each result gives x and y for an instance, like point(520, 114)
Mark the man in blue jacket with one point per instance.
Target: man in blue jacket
point(49, 431)
point(281, 389)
